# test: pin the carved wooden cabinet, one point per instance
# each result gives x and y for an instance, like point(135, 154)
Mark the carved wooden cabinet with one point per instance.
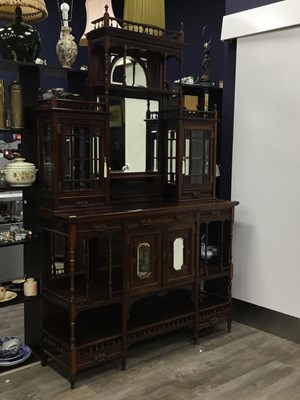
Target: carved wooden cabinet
point(115, 278)
point(72, 153)
point(135, 242)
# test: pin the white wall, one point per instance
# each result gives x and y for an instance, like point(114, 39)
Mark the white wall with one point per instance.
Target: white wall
point(266, 168)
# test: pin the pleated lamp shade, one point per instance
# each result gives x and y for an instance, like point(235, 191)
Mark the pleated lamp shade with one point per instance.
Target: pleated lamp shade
point(18, 40)
point(149, 12)
point(94, 10)
point(32, 10)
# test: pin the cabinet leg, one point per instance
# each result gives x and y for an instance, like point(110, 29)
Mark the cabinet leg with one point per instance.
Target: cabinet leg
point(123, 366)
point(72, 381)
point(229, 326)
point(43, 359)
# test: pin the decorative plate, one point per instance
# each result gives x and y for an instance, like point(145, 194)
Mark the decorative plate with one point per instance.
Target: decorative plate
point(9, 296)
point(23, 357)
point(18, 355)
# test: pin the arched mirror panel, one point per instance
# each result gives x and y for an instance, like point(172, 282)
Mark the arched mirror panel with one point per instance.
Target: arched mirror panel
point(128, 71)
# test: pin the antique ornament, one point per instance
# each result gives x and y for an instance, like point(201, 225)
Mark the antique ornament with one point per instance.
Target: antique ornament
point(66, 48)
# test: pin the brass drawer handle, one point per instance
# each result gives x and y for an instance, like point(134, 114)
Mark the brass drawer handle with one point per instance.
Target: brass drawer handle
point(99, 227)
point(100, 357)
point(197, 194)
point(82, 204)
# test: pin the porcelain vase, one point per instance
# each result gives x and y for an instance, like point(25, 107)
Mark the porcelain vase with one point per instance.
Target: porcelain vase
point(66, 48)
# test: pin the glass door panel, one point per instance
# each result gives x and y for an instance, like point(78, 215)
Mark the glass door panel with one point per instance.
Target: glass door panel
point(47, 162)
point(81, 161)
point(197, 156)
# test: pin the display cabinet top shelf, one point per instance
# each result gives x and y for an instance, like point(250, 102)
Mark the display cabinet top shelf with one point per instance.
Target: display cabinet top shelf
point(55, 103)
point(135, 35)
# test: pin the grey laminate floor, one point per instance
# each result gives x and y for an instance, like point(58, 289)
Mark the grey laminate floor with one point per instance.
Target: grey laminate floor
point(245, 365)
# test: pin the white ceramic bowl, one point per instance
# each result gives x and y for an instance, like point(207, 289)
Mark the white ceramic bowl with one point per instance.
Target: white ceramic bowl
point(20, 173)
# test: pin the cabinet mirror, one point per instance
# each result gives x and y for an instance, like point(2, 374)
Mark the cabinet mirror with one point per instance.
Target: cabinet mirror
point(178, 254)
point(128, 71)
point(129, 143)
point(143, 260)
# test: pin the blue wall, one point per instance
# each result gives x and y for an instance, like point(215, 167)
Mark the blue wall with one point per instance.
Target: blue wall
point(195, 15)
point(49, 30)
point(233, 6)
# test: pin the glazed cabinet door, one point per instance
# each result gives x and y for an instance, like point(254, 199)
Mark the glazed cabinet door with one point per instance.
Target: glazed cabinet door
point(144, 260)
point(178, 266)
point(199, 159)
point(73, 168)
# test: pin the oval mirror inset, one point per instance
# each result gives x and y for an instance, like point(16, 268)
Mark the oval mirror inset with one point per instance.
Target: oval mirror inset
point(178, 254)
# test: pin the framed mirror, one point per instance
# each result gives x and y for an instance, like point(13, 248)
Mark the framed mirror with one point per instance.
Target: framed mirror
point(128, 136)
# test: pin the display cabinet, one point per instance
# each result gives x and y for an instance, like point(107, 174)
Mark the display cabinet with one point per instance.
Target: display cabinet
point(135, 242)
point(72, 152)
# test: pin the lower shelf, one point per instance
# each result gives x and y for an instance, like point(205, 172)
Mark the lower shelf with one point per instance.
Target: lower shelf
point(84, 356)
point(107, 332)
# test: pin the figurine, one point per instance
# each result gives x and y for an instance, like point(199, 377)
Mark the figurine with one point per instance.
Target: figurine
point(205, 78)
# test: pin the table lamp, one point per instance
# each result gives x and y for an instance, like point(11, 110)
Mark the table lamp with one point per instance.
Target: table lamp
point(94, 10)
point(18, 40)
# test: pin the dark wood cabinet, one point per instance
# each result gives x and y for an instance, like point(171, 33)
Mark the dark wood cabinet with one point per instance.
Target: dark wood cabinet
point(137, 246)
point(72, 154)
point(117, 277)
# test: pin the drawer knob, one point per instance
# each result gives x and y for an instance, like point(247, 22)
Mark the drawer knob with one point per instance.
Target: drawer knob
point(99, 227)
point(82, 204)
point(99, 357)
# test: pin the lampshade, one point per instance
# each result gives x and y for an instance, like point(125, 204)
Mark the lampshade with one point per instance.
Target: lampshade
point(94, 10)
point(32, 10)
point(149, 12)
point(18, 40)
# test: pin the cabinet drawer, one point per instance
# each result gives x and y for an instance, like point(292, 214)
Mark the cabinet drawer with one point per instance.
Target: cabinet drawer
point(214, 315)
point(215, 215)
point(97, 354)
point(99, 226)
point(80, 203)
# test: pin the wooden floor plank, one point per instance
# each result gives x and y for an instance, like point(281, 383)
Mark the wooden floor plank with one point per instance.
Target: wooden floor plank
point(246, 364)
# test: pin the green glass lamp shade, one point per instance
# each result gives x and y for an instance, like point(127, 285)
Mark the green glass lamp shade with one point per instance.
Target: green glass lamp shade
point(19, 41)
